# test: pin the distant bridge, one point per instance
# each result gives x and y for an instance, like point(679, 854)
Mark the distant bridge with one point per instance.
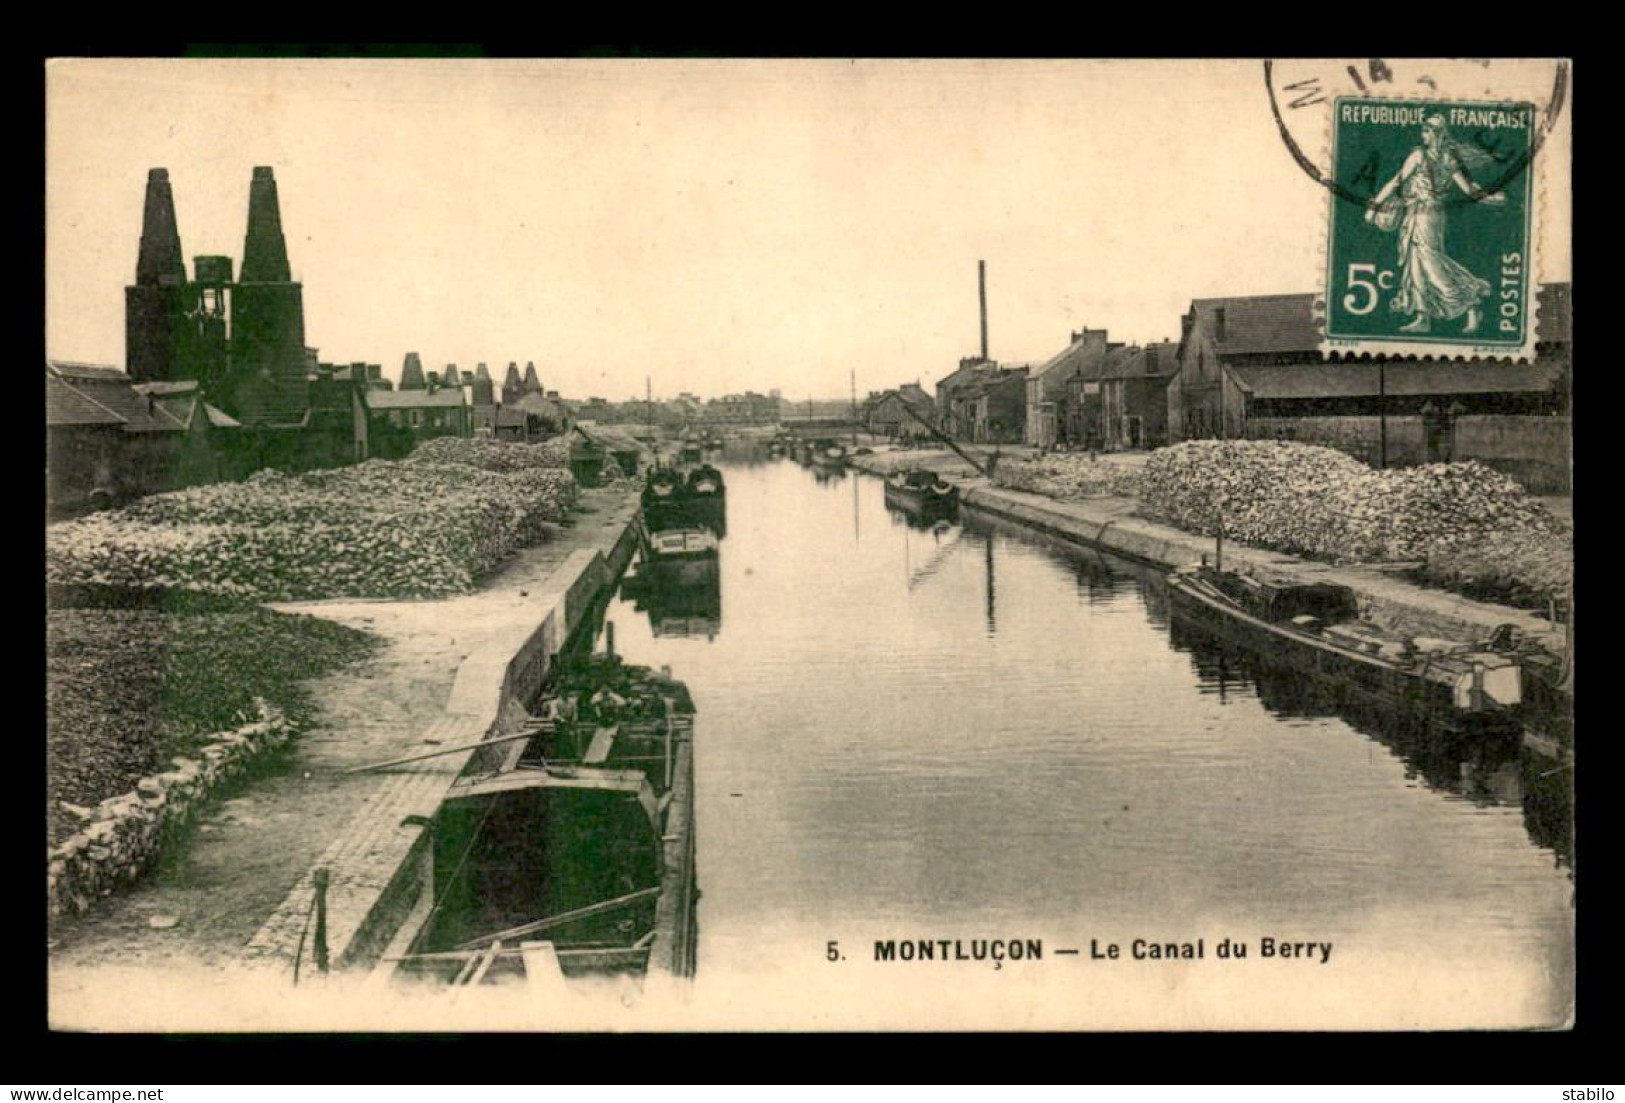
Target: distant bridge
point(829, 424)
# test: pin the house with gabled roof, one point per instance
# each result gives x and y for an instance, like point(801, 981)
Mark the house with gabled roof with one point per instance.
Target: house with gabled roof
point(1134, 396)
point(1048, 385)
point(1082, 412)
point(110, 439)
point(897, 413)
point(1207, 396)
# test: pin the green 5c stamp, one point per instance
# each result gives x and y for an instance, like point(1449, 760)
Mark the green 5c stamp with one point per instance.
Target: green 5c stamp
point(1429, 248)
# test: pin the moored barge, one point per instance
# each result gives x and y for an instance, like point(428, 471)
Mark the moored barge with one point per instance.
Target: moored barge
point(922, 493)
point(569, 854)
point(1316, 628)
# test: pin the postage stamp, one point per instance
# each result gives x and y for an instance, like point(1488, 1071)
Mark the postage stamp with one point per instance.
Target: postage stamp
point(1429, 246)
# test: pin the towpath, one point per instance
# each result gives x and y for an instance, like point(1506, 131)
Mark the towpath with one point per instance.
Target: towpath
point(249, 851)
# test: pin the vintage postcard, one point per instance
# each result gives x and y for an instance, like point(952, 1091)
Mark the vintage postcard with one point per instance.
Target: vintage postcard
point(815, 545)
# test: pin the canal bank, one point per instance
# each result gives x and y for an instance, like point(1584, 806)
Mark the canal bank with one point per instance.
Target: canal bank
point(451, 671)
point(1111, 524)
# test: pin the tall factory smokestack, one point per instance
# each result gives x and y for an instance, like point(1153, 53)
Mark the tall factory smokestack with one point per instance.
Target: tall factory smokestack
point(981, 287)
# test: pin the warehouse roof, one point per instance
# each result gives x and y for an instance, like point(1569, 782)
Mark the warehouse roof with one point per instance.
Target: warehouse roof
point(1426, 377)
point(1262, 323)
point(441, 399)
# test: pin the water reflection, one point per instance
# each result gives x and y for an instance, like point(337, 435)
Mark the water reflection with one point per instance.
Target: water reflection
point(966, 727)
point(681, 600)
point(1488, 771)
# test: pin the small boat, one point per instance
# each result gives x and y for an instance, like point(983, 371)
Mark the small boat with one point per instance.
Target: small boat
point(828, 453)
point(1316, 627)
point(707, 499)
point(673, 501)
point(705, 481)
point(663, 487)
point(922, 492)
point(687, 542)
point(691, 450)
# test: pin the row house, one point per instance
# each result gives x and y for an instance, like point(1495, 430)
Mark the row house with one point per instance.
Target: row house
point(998, 405)
point(955, 416)
point(1083, 413)
point(1134, 396)
point(1048, 386)
point(1220, 339)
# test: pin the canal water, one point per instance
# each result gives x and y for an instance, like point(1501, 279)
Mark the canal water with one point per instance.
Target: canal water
point(975, 738)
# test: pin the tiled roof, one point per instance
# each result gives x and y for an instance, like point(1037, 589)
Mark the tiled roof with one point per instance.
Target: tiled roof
point(1423, 377)
point(535, 402)
point(1263, 323)
point(415, 400)
point(74, 372)
point(65, 406)
point(110, 389)
point(611, 439)
point(163, 389)
point(1083, 356)
point(1110, 366)
point(178, 406)
point(1136, 364)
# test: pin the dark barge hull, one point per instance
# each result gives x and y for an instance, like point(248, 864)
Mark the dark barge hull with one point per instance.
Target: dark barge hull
point(1366, 676)
point(923, 503)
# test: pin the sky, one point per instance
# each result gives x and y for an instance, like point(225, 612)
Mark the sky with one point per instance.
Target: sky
point(709, 226)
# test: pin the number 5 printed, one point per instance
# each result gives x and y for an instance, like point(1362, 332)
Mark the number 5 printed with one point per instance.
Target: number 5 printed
point(1384, 280)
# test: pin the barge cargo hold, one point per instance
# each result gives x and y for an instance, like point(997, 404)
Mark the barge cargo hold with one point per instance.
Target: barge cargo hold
point(1315, 628)
point(568, 854)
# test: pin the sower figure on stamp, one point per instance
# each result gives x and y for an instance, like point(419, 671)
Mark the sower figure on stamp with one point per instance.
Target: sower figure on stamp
point(1432, 285)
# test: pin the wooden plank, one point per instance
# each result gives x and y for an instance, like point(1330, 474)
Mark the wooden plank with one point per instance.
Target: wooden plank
point(485, 963)
point(598, 750)
point(563, 917)
point(439, 752)
point(591, 956)
point(621, 781)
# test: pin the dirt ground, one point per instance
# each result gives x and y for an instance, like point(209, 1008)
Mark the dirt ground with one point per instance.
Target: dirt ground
point(200, 906)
